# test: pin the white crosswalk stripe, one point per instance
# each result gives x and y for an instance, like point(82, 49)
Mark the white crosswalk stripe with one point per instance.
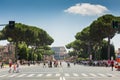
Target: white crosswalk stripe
point(57, 75)
point(102, 75)
point(48, 75)
point(92, 74)
point(30, 75)
point(66, 74)
point(83, 74)
point(3, 75)
point(12, 75)
point(74, 74)
point(61, 78)
point(21, 75)
point(111, 75)
point(39, 75)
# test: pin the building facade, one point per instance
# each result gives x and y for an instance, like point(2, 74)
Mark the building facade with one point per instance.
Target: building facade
point(7, 52)
point(60, 52)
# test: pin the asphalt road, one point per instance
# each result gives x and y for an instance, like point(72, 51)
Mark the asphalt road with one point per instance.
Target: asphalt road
point(77, 72)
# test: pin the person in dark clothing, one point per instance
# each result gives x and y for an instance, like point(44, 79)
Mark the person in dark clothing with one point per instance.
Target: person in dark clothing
point(2, 64)
point(50, 64)
point(68, 64)
point(112, 64)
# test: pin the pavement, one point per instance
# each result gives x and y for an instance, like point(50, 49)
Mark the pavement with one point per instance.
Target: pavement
point(77, 72)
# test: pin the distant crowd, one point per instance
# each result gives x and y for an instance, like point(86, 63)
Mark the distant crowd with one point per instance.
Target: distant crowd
point(102, 63)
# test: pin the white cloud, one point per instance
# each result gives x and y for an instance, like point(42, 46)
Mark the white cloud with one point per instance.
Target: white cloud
point(87, 9)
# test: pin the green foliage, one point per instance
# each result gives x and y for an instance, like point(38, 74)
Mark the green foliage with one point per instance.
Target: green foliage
point(84, 35)
point(81, 43)
point(91, 37)
point(30, 35)
point(2, 36)
point(40, 56)
point(81, 59)
point(102, 27)
point(104, 52)
point(35, 56)
point(118, 19)
point(68, 46)
point(74, 45)
point(72, 53)
point(22, 51)
point(30, 56)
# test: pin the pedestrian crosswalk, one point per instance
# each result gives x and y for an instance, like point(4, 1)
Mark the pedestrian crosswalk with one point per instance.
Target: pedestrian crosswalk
point(29, 75)
point(83, 74)
point(21, 75)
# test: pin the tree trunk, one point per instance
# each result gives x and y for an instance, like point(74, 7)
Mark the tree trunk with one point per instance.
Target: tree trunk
point(109, 47)
point(89, 50)
point(16, 51)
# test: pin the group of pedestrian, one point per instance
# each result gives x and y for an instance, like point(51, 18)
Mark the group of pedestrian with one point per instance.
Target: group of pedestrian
point(52, 63)
point(13, 67)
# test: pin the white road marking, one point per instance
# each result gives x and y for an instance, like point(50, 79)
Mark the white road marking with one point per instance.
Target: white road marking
point(66, 74)
point(57, 75)
point(21, 75)
point(39, 75)
point(31, 75)
point(101, 75)
point(92, 74)
point(48, 75)
point(3, 75)
point(12, 75)
point(61, 78)
point(75, 74)
point(83, 74)
point(110, 75)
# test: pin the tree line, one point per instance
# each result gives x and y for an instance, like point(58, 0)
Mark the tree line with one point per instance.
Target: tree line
point(31, 42)
point(91, 40)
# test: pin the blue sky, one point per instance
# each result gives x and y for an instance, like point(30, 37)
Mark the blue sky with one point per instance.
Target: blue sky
point(62, 19)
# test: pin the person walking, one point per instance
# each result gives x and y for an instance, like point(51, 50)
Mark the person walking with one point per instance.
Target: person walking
point(28, 63)
point(74, 63)
point(10, 67)
point(50, 64)
point(112, 64)
point(68, 64)
point(2, 65)
point(14, 67)
point(44, 64)
point(60, 64)
point(17, 67)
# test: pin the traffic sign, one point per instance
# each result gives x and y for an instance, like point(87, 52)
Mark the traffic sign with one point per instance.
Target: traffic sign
point(115, 24)
point(11, 24)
